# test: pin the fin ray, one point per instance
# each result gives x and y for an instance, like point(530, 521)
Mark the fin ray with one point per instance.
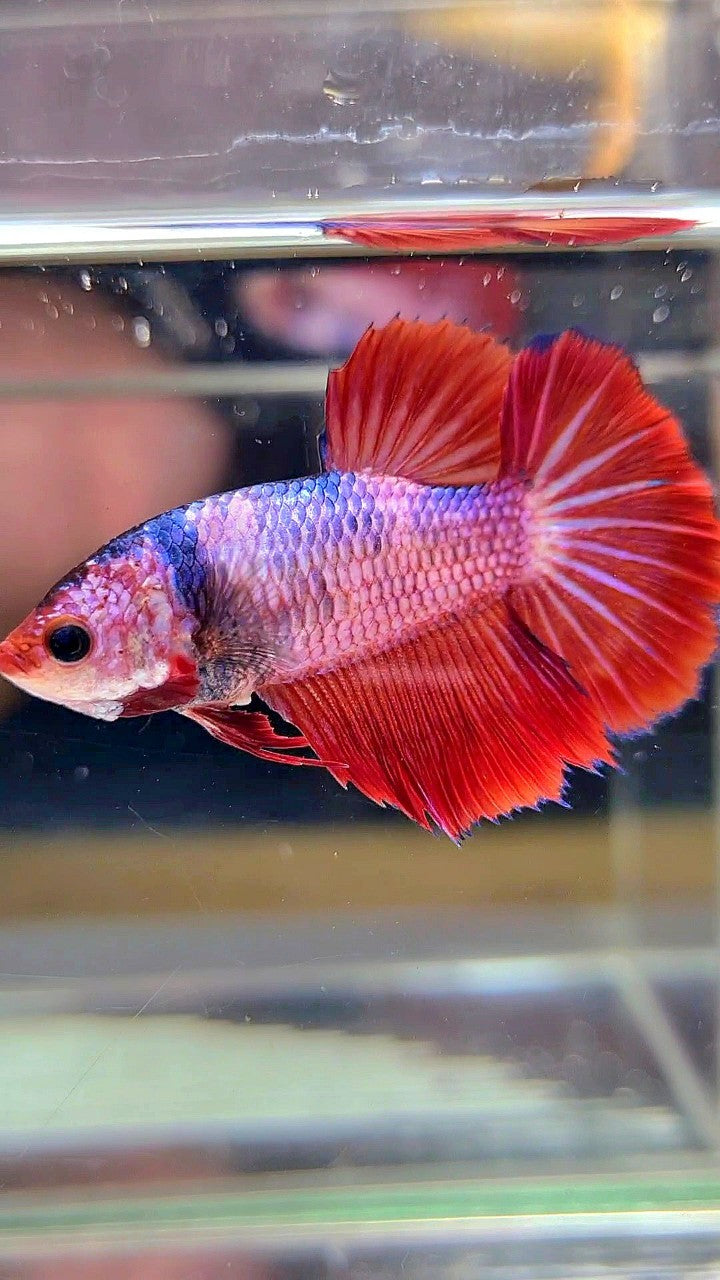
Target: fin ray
point(460, 232)
point(626, 554)
point(250, 731)
point(420, 401)
point(468, 721)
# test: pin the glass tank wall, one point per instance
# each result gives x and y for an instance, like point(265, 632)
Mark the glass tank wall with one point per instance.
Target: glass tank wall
point(251, 1025)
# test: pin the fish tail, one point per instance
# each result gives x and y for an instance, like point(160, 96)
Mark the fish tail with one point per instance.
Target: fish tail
point(625, 564)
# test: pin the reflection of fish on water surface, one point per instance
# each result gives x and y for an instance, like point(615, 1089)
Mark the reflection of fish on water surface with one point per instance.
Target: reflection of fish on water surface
point(502, 561)
point(463, 232)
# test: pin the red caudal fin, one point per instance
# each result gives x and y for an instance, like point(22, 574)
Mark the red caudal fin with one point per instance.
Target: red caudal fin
point(420, 401)
point(250, 731)
point(468, 721)
point(460, 232)
point(626, 569)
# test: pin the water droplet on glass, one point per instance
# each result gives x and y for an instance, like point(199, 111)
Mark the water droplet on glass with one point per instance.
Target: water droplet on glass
point(221, 328)
point(86, 281)
point(85, 65)
point(395, 271)
point(120, 285)
point(118, 323)
point(661, 291)
point(114, 94)
point(52, 311)
point(81, 773)
point(578, 299)
point(76, 67)
point(249, 412)
point(515, 296)
point(141, 331)
point(686, 275)
point(369, 131)
point(660, 314)
point(616, 292)
point(487, 278)
point(342, 89)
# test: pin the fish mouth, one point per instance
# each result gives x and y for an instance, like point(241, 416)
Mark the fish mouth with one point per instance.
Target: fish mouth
point(15, 662)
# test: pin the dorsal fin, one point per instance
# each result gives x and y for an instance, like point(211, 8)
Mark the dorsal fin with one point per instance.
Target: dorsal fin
point(421, 401)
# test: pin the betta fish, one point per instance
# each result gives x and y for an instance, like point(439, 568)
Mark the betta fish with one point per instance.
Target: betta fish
point(502, 564)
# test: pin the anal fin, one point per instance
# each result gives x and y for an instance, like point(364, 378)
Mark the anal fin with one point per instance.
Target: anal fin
point(468, 721)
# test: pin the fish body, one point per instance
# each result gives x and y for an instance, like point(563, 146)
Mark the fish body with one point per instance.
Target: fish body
point(341, 565)
point(502, 562)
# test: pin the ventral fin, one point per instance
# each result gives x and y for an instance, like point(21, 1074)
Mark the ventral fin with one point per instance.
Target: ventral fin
point(250, 731)
point(418, 400)
point(180, 687)
point(468, 721)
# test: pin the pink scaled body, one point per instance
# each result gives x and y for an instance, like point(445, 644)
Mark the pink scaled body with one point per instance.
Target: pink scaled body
point(343, 565)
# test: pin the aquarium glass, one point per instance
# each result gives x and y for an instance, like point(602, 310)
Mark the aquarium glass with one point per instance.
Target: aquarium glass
point(252, 1025)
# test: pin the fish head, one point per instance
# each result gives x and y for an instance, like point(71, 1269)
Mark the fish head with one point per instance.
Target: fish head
point(113, 638)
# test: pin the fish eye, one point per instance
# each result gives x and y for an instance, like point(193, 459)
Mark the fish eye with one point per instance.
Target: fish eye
point(68, 642)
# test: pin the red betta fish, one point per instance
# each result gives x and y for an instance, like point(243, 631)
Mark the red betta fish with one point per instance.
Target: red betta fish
point(502, 562)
